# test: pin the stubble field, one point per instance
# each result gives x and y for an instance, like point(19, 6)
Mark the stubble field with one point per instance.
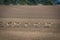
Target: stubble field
point(31, 31)
point(29, 22)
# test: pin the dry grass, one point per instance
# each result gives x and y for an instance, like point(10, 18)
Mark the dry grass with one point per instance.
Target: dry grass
point(30, 11)
point(24, 35)
point(30, 32)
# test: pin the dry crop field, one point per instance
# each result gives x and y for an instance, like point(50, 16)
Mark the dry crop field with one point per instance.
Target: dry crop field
point(29, 29)
point(40, 11)
point(29, 22)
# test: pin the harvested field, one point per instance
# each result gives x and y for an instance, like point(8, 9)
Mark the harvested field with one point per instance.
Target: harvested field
point(31, 32)
point(40, 11)
point(21, 35)
point(29, 22)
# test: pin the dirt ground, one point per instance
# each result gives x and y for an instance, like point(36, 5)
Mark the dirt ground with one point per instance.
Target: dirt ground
point(35, 12)
point(40, 11)
point(29, 35)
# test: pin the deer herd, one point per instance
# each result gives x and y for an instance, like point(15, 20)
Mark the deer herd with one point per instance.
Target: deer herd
point(25, 24)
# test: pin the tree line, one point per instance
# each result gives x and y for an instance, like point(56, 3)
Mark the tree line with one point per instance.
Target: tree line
point(26, 2)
